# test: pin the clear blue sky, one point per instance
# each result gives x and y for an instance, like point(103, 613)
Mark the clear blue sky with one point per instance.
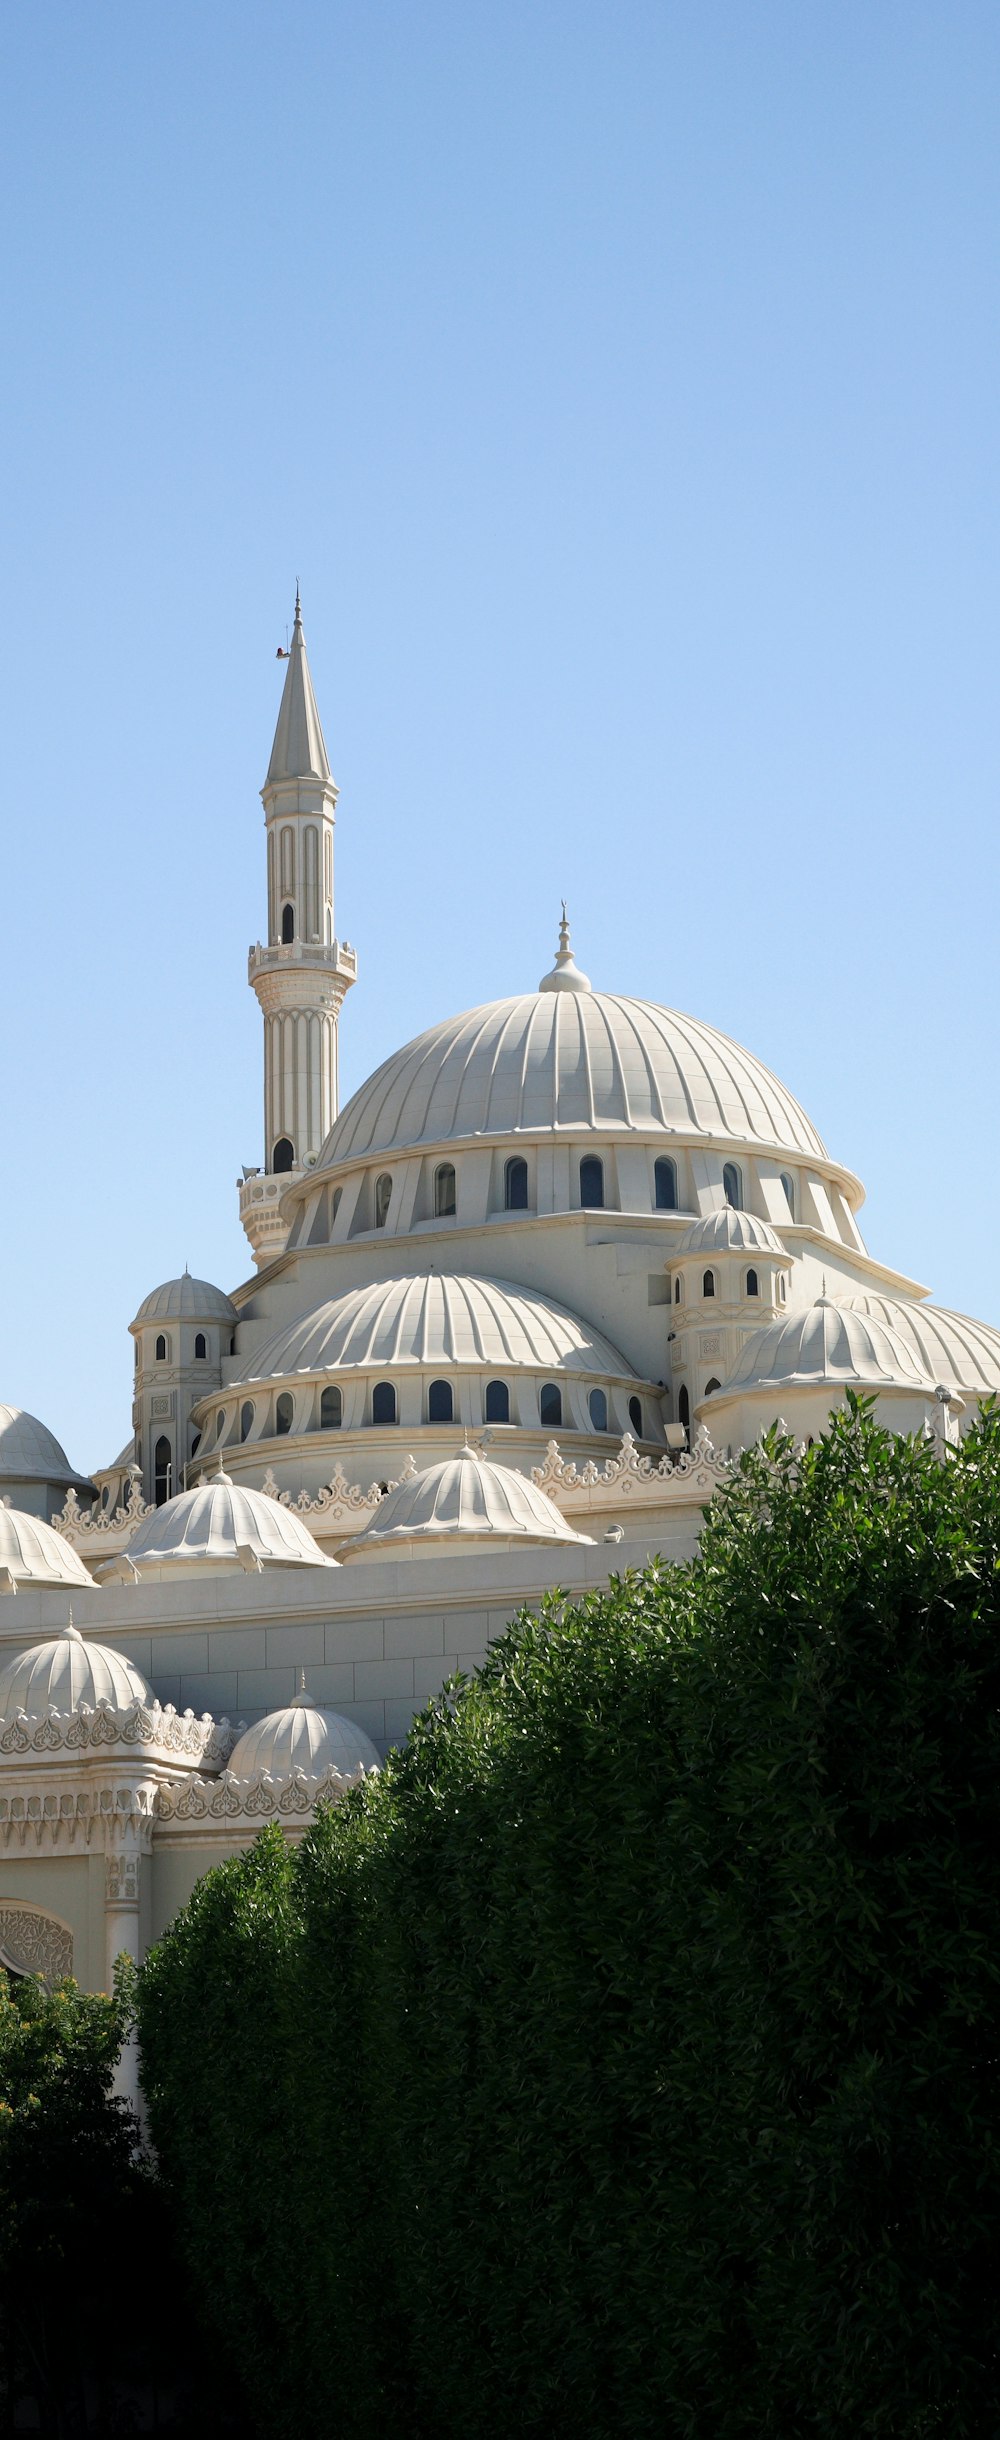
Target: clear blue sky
point(622, 384)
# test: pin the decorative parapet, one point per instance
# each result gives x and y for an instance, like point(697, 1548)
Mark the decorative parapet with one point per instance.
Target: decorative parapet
point(69, 1815)
point(629, 1476)
point(339, 1502)
point(230, 1802)
point(78, 1524)
point(152, 1732)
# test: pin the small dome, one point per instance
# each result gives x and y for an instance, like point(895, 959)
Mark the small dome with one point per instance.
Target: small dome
point(830, 1344)
point(213, 1526)
point(730, 1232)
point(462, 1500)
point(186, 1300)
point(302, 1737)
point(28, 1450)
point(441, 1320)
point(66, 1671)
point(35, 1553)
point(948, 1347)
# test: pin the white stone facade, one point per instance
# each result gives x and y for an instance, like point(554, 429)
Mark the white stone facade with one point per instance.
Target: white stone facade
point(503, 1305)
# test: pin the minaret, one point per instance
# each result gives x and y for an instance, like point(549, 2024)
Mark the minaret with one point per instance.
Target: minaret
point(301, 977)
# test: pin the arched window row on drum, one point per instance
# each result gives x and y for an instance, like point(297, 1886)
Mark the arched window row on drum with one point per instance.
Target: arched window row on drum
point(323, 1409)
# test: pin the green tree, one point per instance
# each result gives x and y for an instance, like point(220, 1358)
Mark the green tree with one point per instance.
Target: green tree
point(625, 2055)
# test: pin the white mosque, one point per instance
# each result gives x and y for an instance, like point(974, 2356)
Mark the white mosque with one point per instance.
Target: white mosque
point(512, 1312)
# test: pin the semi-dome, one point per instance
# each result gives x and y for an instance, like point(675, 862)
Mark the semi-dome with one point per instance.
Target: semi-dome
point(66, 1671)
point(463, 1500)
point(220, 1524)
point(729, 1232)
point(32, 1552)
point(948, 1347)
point(568, 1060)
point(29, 1452)
point(303, 1736)
point(827, 1343)
point(186, 1300)
point(446, 1318)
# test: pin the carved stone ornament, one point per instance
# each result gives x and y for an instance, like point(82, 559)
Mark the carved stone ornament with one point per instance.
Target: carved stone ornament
point(140, 1728)
point(74, 1522)
point(694, 1467)
point(338, 1498)
point(35, 1944)
point(260, 1798)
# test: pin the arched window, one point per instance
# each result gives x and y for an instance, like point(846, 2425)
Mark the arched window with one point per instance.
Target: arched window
point(789, 1187)
point(246, 1420)
point(598, 1405)
point(550, 1406)
point(753, 1287)
point(710, 1386)
point(497, 1402)
point(161, 1349)
point(162, 1470)
point(440, 1403)
point(515, 1185)
point(665, 1185)
point(283, 1156)
point(338, 1197)
point(592, 1183)
point(684, 1407)
point(635, 1416)
point(678, 1290)
point(732, 1186)
point(195, 1443)
point(383, 1402)
point(287, 924)
point(232, 1344)
point(284, 1412)
point(106, 1496)
point(220, 1424)
point(331, 1411)
point(782, 1290)
point(708, 1284)
point(200, 1347)
point(383, 1198)
point(444, 1192)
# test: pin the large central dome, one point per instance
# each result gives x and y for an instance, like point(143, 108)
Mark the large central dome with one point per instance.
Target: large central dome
point(568, 1060)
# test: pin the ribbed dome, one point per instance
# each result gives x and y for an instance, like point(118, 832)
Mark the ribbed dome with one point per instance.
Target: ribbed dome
point(444, 1319)
point(827, 1343)
point(568, 1059)
point(28, 1448)
point(35, 1553)
point(730, 1232)
point(66, 1671)
point(210, 1525)
point(186, 1300)
point(463, 1500)
point(948, 1347)
point(302, 1737)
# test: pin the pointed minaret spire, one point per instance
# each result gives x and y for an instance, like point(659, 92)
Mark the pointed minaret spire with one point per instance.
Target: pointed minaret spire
point(303, 971)
point(299, 749)
point(565, 974)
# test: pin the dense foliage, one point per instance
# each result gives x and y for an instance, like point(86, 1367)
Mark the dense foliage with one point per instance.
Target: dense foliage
point(72, 2186)
point(624, 2058)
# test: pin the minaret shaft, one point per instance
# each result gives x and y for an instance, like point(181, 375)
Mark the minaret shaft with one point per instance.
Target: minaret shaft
point(302, 974)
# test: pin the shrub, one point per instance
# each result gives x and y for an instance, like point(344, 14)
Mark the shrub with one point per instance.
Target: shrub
point(624, 2055)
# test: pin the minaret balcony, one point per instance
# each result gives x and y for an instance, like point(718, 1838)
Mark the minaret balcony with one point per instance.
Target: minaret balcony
point(336, 957)
point(260, 1211)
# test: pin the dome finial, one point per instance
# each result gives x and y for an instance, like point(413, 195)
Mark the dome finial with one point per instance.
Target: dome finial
point(565, 974)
